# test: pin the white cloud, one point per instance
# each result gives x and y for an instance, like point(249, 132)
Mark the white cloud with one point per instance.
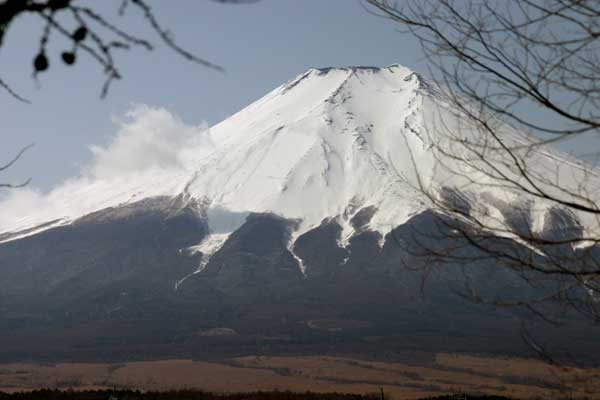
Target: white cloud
point(149, 141)
point(148, 138)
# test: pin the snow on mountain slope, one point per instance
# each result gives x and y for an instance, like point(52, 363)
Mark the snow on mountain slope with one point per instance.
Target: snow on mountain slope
point(326, 144)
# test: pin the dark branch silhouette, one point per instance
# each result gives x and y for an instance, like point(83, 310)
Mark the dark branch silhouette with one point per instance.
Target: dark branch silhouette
point(10, 164)
point(96, 35)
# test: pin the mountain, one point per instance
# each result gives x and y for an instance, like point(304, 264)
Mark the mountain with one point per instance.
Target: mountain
point(326, 144)
point(280, 226)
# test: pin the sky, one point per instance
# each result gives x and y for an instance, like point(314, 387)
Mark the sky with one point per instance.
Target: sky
point(260, 45)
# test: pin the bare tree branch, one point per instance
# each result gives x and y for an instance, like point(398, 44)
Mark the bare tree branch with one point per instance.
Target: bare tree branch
point(492, 63)
point(10, 164)
point(97, 35)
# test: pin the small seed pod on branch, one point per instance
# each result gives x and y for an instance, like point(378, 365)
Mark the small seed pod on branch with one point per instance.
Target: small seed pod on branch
point(80, 34)
point(68, 57)
point(40, 62)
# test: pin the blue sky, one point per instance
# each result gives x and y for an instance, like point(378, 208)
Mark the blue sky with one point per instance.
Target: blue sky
point(260, 45)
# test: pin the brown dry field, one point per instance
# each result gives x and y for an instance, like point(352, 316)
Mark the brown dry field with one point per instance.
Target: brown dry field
point(443, 373)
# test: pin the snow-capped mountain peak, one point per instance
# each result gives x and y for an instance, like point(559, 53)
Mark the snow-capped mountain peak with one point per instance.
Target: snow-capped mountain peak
point(325, 145)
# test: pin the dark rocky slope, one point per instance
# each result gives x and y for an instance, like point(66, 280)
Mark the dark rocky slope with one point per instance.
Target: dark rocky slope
point(104, 288)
